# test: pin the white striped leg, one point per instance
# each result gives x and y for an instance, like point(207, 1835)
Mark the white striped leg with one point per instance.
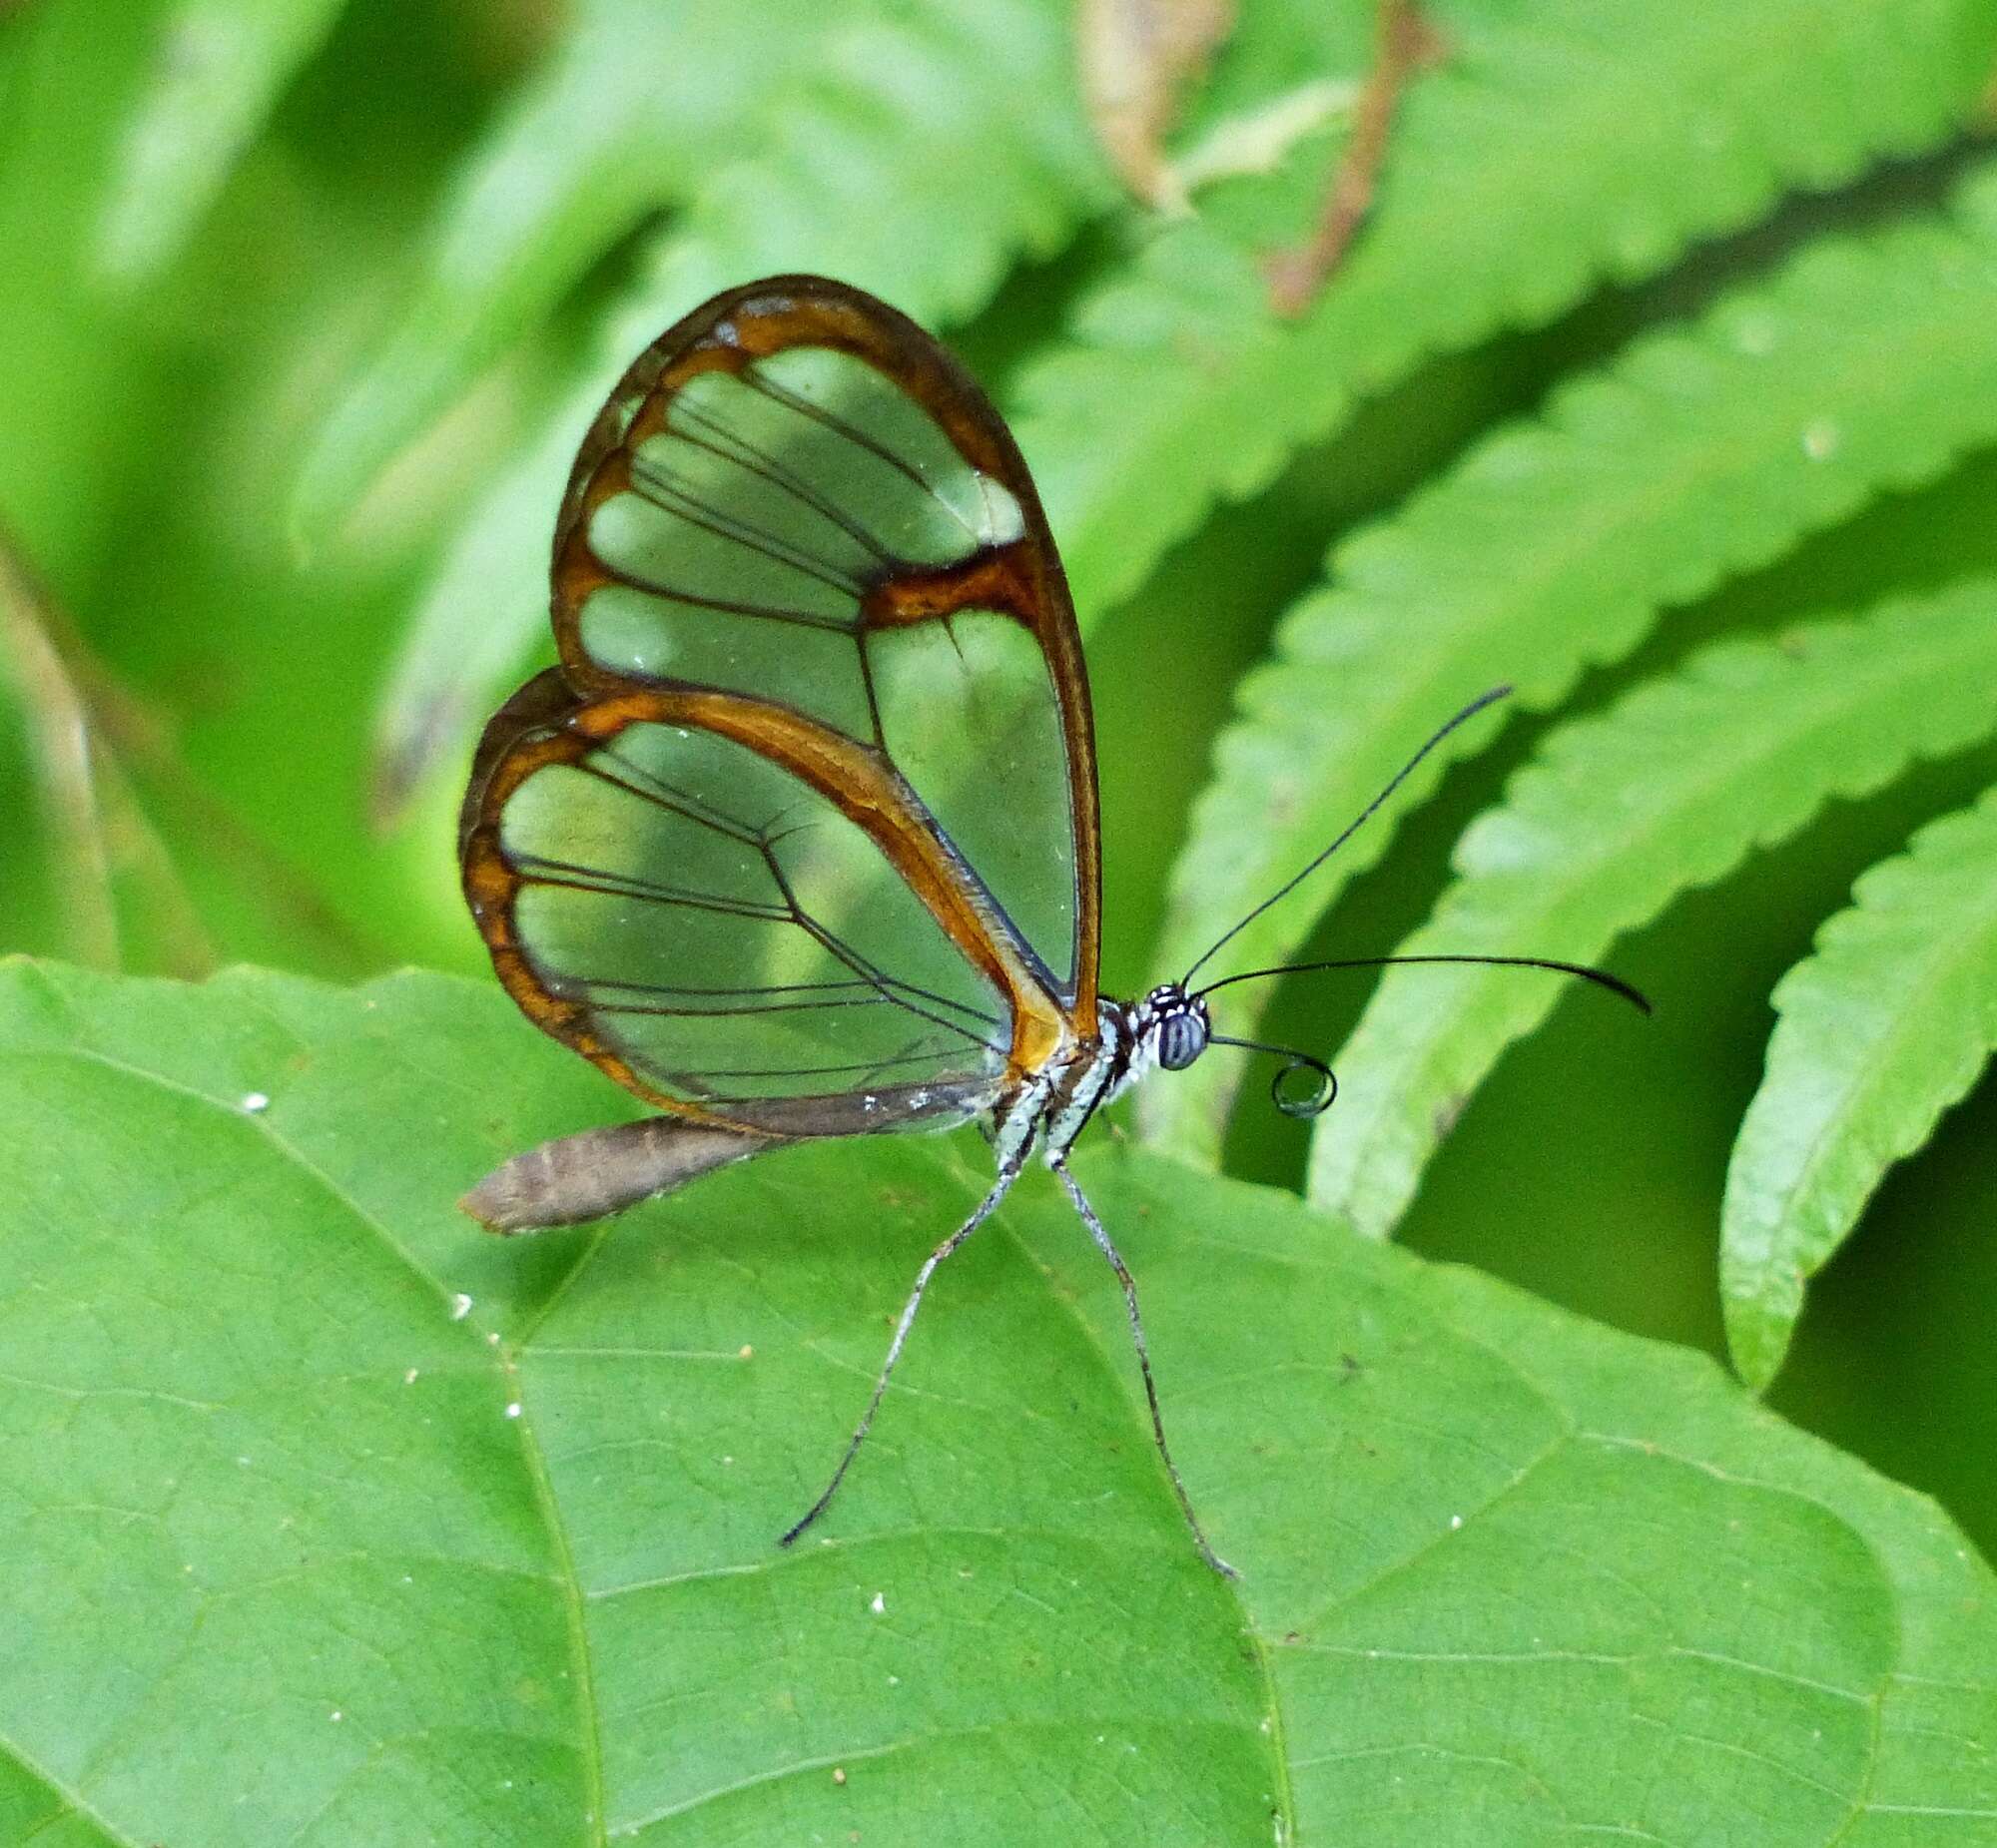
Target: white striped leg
point(1109, 1251)
point(1007, 1174)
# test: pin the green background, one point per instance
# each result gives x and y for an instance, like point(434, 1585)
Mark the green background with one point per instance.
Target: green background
point(276, 313)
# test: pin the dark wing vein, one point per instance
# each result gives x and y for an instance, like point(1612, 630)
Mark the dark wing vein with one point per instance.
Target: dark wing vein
point(536, 870)
point(759, 612)
point(659, 1010)
point(831, 420)
point(732, 446)
point(685, 806)
point(881, 987)
point(863, 968)
point(670, 494)
point(673, 988)
point(639, 782)
point(689, 1076)
point(912, 1049)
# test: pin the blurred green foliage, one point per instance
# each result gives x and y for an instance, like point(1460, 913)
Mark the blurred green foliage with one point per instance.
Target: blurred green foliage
point(1673, 325)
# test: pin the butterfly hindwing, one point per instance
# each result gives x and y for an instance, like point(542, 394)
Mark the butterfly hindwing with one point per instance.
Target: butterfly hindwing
point(808, 809)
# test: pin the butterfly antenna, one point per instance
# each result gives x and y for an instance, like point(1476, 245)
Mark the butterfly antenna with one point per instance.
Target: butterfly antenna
point(1324, 1083)
point(1585, 971)
point(1365, 814)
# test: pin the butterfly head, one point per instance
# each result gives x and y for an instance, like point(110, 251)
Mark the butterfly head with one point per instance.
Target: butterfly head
point(1174, 1026)
point(1171, 1027)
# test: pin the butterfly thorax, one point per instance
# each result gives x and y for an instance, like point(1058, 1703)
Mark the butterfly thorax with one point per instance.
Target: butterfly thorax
point(1167, 1028)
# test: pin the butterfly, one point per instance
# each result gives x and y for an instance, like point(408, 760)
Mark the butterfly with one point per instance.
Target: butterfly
point(801, 839)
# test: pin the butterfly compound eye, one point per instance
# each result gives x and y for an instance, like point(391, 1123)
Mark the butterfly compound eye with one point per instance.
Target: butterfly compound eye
point(1181, 1039)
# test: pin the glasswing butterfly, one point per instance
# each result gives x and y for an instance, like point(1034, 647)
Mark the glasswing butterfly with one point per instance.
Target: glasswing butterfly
point(800, 838)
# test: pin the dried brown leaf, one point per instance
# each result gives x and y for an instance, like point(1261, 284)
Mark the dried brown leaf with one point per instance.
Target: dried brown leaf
point(1406, 44)
point(1137, 58)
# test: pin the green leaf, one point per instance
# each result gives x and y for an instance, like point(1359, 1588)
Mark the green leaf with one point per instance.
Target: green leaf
point(1884, 1026)
point(217, 73)
point(911, 120)
point(1561, 145)
point(1670, 789)
point(1702, 452)
point(330, 1519)
point(636, 105)
point(921, 158)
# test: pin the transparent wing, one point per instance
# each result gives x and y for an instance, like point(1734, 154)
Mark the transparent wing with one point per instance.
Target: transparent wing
point(672, 882)
point(798, 497)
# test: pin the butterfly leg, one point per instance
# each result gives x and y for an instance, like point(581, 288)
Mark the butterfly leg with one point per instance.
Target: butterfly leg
point(1109, 1251)
point(1008, 1172)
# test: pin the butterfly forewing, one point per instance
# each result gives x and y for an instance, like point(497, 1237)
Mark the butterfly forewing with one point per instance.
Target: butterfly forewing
point(808, 808)
point(799, 496)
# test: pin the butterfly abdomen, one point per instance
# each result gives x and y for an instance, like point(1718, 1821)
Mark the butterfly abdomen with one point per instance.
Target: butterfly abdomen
point(599, 1171)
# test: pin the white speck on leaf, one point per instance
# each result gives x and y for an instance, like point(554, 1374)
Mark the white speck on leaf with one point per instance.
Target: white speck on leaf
point(460, 1307)
point(513, 1409)
point(880, 1605)
point(1820, 440)
point(255, 1101)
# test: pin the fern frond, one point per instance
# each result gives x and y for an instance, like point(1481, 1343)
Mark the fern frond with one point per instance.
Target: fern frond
point(1561, 145)
point(914, 124)
point(919, 159)
point(1702, 452)
point(1669, 789)
point(631, 109)
point(1882, 1027)
point(220, 68)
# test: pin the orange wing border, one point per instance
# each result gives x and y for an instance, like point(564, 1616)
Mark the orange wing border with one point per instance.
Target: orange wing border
point(547, 722)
